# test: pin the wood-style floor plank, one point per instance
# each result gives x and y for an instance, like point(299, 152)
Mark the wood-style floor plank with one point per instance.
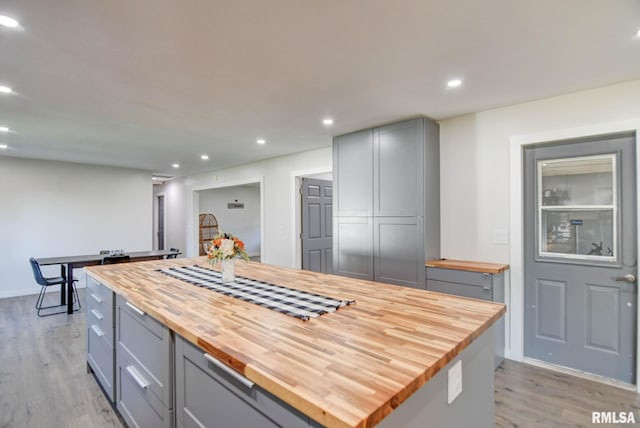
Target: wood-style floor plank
point(44, 382)
point(43, 376)
point(530, 396)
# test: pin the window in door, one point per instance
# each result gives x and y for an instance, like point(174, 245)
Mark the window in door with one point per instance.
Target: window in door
point(577, 209)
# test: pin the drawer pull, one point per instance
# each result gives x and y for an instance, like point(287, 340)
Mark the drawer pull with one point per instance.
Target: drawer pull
point(142, 382)
point(97, 330)
point(138, 311)
point(96, 298)
point(97, 314)
point(219, 364)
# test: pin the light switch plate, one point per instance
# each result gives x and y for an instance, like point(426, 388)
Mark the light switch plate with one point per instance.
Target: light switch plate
point(500, 236)
point(455, 381)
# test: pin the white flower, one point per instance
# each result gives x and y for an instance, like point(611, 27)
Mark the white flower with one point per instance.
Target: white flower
point(226, 247)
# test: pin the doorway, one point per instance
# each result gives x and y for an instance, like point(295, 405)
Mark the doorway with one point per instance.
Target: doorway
point(160, 223)
point(238, 209)
point(580, 254)
point(316, 224)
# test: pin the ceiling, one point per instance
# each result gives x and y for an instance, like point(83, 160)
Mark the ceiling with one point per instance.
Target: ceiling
point(148, 83)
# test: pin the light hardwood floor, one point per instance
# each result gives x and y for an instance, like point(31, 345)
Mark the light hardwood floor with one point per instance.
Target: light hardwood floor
point(44, 382)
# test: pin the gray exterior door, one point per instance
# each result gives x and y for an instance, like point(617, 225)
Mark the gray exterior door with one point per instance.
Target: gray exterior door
point(317, 225)
point(580, 265)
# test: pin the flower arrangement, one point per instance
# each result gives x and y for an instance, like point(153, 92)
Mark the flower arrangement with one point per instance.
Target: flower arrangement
point(225, 246)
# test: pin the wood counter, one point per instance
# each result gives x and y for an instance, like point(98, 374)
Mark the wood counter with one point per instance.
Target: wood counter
point(350, 368)
point(469, 266)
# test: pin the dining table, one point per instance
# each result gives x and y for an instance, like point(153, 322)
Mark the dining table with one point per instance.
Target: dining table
point(69, 263)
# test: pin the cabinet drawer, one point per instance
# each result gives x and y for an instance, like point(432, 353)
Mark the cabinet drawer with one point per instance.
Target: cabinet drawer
point(207, 396)
point(462, 277)
point(137, 404)
point(147, 343)
point(101, 316)
point(462, 290)
point(100, 290)
point(100, 357)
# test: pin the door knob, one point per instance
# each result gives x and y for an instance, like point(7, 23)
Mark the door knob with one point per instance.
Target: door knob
point(630, 278)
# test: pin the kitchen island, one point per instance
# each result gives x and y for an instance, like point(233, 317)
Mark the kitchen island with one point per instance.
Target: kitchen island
point(382, 360)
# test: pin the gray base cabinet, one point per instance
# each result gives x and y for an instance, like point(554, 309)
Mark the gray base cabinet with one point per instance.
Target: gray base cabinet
point(100, 334)
point(144, 368)
point(209, 395)
point(476, 285)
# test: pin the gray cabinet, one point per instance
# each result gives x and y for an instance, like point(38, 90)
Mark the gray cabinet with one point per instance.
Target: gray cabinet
point(100, 334)
point(398, 169)
point(476, 285)
point(353, 163)
point(210, 394)
point(398, 251)
point(354, 238)
point(389, 176)
point(144, 368)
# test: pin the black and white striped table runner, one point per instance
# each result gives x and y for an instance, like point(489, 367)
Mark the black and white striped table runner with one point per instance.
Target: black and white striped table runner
point(289, 301)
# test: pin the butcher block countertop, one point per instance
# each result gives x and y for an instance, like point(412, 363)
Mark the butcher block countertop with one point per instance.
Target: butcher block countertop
point(349, 368)
point(470, 266)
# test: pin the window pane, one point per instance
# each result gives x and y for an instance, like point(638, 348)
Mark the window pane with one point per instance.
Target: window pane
point(577, 181)
point(578, 232)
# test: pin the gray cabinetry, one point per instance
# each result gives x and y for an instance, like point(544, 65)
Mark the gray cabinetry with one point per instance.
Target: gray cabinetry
point(144, 368)
point(390, 176)
point(353, 163)
point(100, 333)
point(398, 169)
point(398, 251)
point(476, 285)
point(210, 394)
point(354, 237)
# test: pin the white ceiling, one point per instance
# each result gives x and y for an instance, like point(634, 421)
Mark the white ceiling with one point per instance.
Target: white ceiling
point(146, 83)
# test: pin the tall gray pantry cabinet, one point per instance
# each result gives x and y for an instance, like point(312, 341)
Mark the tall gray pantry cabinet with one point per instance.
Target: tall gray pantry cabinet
point(387, 202)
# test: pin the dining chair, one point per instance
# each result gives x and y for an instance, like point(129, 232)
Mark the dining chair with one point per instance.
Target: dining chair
point(173, 256)
point(110, 260)
point(48, 282)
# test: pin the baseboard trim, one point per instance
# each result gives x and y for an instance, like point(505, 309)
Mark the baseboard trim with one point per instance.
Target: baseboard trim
point(579, 373)
point(7, 294)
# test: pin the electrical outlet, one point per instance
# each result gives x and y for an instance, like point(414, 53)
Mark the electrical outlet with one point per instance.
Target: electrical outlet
point(455, 381)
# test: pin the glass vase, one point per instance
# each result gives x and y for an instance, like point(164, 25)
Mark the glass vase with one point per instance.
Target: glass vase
point(228, 270)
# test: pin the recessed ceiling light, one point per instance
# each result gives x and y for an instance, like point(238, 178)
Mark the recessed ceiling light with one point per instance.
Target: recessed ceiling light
point(327, 121)
point(454, 83)
point(176, 165)
point(3, 147)
point(638, 35)
point(204, 157)
point(4, 129)
point(5, 90)
point(261, 141)
point(8, 21)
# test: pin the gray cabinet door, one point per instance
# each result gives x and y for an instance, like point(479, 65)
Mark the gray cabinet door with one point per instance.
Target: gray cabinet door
point(399, 251)
point(353, 247)
point(398, 169)
point(353, 163)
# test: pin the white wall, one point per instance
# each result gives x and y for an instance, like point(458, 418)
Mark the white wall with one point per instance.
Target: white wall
point(52, 209)
point(474, 157)
point(243, 223)
point(278, 199)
